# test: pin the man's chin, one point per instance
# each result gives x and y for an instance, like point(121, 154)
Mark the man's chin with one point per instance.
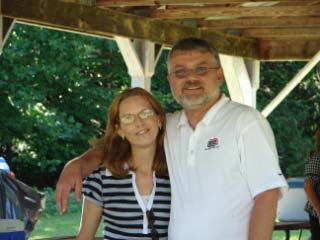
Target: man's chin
point(192, 103)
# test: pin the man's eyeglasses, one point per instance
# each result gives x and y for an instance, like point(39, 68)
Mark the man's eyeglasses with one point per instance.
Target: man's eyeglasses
point(153, 230)
point(130, 118)
point(200, 71)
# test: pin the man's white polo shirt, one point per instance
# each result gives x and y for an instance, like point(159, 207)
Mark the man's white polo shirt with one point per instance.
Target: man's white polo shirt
point(217, 169)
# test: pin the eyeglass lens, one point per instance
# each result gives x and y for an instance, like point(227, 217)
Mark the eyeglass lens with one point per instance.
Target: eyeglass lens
point(200, 71)
point(130, 118)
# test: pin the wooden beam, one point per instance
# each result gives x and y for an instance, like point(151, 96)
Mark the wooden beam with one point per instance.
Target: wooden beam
point(274, 11)
point(106, 23)
point(218, 41)
point(284, 22)
point(288, 49)
point(282, 32)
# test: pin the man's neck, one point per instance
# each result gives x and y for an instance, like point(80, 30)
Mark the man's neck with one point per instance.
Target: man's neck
point(194, 116)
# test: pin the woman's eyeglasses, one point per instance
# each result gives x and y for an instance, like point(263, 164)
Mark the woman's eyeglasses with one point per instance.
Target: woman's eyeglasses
point(153, 230)
point(130, 118)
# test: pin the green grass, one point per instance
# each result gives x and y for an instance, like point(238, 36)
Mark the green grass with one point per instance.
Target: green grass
point(294, 235)
point(51, 224)
point(56, 226)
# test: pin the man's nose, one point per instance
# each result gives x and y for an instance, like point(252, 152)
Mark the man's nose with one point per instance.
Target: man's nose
point(192, 75)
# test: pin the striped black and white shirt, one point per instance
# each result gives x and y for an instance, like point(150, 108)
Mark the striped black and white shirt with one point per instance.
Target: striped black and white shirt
point(124, 212)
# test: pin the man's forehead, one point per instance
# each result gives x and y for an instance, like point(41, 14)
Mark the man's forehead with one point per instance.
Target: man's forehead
point(194, 56)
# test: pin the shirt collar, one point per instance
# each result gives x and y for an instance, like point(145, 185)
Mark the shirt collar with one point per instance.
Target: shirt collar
point(208, 116)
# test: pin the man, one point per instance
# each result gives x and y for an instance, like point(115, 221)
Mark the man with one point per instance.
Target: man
point(222, 158)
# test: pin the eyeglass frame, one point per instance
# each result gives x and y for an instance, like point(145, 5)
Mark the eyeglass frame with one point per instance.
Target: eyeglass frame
point(193, 71)
point(151, 226)
point(151, 113)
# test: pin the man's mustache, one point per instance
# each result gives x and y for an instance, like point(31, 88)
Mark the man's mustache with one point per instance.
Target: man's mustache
point(191, 84)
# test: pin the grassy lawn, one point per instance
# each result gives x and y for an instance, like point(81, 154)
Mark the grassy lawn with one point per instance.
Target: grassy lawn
point(58, 226)
point(67, 225)
point(51, 224)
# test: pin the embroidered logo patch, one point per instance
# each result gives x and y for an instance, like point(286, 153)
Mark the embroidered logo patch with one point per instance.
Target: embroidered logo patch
point(212, 143)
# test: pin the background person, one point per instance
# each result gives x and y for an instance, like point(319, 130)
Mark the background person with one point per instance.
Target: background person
point(131, 190)
point(221, 155)
point(312, 187)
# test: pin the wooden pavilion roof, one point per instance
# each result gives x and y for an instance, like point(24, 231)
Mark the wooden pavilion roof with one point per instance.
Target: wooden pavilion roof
point(257, 29)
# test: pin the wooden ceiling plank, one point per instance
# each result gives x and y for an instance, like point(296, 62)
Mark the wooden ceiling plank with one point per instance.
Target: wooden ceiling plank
point(282, 32)
point(261, 23)
point(106, 22)
point(274, 11)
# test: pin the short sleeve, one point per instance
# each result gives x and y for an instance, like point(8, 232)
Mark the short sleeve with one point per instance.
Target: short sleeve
point(92, 187)
point(312, 167)
point(259, 157)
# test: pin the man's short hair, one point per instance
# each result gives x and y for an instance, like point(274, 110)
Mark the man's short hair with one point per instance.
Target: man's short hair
point(193, 44)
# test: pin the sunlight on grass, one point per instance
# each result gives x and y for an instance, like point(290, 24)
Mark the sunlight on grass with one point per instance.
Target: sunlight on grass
point(58, 226)
point(51, 224)
point(294, 235)
point(67, 225)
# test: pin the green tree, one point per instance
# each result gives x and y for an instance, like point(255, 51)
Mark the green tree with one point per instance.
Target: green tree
point(294, 120)
point(55, 89)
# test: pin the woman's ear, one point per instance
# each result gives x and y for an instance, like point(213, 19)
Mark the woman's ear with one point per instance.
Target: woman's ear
point(119, 131)
point(159, 125)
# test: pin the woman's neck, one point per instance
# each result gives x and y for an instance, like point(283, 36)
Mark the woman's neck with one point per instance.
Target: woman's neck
point(142, 159)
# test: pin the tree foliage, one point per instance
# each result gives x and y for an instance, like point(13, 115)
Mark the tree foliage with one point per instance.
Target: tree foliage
point(55, 89)
point(296, 118)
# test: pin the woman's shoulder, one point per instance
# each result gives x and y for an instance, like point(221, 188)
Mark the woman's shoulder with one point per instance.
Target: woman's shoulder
point(315, 156)
point(102, 171)
point(163, 179)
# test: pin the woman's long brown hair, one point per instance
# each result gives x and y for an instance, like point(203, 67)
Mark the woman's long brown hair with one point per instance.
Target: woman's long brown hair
point(116, 151)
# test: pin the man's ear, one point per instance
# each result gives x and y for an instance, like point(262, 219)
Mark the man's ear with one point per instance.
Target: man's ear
point(220, 74)
point(169, 78)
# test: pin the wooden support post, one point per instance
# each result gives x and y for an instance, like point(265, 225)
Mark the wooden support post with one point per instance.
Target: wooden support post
point(141, 58)
point(242, 78)
point(6, 25)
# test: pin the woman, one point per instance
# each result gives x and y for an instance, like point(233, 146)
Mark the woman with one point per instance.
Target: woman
point(312, 188)
point(131, 190)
